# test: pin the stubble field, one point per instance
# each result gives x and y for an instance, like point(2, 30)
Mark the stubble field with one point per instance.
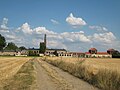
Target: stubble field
point(9, 66)
point(100, 63)
point(19, 72)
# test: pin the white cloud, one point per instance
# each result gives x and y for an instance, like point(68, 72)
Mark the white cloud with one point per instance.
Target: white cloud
point(42, 30)
point(4, 23)
point(98, 28)
point(31, 37)
point(103, 38)
point(36, 42)
point(3, 26)
point(74, 21)
point(13, 37)
point(75, 36)
point(56, 44)
point(10, 37)
point(54, 21)
point(26, 28)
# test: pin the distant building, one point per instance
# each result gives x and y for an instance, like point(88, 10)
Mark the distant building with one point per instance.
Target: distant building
point(67, 54)
point(52, 51)
point(111, 51)
point(92, 53)
point(22, 53)
point(33, 51)
point(8, 53)
point(77, 54)
point(93, 50)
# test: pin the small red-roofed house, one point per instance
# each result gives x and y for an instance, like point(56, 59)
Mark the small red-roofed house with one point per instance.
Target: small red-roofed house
point(102, 55)
point(111, 51)
point(87, 54)
point(93, 50)
point(94, 54)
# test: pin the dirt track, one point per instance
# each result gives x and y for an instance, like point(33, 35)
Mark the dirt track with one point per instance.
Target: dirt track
point(52, 78)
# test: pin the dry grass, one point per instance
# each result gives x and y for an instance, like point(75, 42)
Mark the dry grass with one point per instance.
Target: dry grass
point(103, 73)
point(24, 79)
point(105, 63)
point(9, 67)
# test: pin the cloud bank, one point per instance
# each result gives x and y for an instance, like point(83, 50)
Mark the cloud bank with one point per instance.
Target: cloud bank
point(72, 41)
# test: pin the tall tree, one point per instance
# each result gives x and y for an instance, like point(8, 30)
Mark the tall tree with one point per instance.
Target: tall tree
point(22, 48)
point(11, 46)
point(2, 42)
point(42, 47)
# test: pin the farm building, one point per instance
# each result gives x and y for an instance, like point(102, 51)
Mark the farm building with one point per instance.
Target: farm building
point(111, 51)
point(67, 54)
point(8, 53)
point(50, 52)
point(92, 53)
point(93, 50)
point(77, 54)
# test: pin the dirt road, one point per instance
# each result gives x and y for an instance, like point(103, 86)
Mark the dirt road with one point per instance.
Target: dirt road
point(53, 78)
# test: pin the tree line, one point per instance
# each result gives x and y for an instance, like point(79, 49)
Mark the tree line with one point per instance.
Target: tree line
point(9, 46)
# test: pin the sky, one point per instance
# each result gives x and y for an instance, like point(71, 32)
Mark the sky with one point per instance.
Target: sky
point(74, 25)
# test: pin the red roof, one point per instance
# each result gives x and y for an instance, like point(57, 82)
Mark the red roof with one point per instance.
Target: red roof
point(92, 49)
point(87, 53)
point(102, 53)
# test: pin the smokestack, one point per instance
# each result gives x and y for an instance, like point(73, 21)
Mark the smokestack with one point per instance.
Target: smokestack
point(45, 40)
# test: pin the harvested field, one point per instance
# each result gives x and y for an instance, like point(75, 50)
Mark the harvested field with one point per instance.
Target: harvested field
point(9, 66)
point(105, 63)
point(24, 79)
point(28, 73)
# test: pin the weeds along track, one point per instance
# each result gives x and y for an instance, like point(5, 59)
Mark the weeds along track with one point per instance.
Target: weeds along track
point(103, 78)
point(9, 66)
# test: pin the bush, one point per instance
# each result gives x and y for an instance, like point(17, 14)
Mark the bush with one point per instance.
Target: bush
point(31, 53)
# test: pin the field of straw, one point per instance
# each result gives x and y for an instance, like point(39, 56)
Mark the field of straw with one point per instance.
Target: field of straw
point(9, 67)
point(103, 73)
point(103, 63)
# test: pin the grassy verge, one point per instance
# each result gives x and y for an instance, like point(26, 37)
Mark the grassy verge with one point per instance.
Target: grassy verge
point(24, 79)
point(101, 78)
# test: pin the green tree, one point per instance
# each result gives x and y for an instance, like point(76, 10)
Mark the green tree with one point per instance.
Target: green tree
point(11, 46)
point(42, 47)
point(22, 48)
point(31, 53)
point(55, 53)
point(2, 42)
point(116, 54)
